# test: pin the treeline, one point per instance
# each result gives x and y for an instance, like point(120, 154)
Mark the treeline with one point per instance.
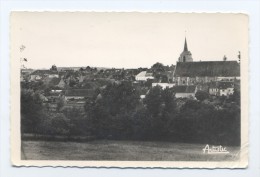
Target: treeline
point(117, 113)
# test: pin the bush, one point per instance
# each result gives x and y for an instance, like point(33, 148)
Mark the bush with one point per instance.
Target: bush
point(32, 111)
point(201, 95)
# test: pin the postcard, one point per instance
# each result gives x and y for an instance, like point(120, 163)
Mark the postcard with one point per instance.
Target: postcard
point(129, 89)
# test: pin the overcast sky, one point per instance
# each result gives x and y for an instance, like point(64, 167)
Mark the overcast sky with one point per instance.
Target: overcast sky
point(125, 40)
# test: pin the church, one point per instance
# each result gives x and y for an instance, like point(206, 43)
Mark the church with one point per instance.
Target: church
point(188, 72)
point(186, 54)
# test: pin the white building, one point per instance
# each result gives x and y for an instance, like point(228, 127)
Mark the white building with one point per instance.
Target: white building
point(163, 85)
point(144, 76)
point(222, 88)
point(40, 74)
point(185, 91)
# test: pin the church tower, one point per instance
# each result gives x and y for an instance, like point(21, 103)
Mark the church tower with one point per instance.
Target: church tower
point(186, 54)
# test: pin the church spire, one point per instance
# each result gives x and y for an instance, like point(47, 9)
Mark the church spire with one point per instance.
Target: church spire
point(185, 45)
point(186, 54)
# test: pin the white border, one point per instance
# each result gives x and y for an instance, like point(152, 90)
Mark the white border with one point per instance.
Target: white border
point(251, 8)
point(242, 162)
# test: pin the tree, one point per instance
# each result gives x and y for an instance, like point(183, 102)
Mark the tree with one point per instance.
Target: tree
point(236, 95)
point(224, 58)
point(55, 124)
point(72, 82)
point(168, 97)
point(78, 121)
point(111, 113)
point(60, 103)
point(161, 109)
point(53, 68)
point(153, 101)
point(32, 111)
point(158, 68)
point(148, 83)
point(201, 95)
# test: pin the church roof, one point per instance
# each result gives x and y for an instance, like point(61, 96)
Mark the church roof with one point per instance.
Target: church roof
point(208, 68)
point(185, 46)
point(222, 84)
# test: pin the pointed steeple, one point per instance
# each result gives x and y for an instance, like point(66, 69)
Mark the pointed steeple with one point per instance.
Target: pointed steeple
point(186, 54)
point(185, 45)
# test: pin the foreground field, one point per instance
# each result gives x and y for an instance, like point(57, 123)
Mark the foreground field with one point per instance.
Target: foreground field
point(121, 150)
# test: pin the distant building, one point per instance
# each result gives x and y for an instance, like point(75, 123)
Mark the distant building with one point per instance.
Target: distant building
point(163, 85)
point(144, 76)
point(185, 91)
point(200, 73)
point(192, 73)
point(223, 88)
point(76, 98)
point(40, 74)
point(78, 94)
point(81, 78)
point(26, 72)
point(51, 81)
point(54, 96)
point(62, 83)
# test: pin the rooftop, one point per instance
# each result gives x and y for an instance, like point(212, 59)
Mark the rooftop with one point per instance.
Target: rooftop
point(208, 68)
point(222, 85)
point(144, 74)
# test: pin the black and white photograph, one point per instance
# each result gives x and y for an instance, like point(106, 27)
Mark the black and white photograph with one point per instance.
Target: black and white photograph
point(129, 89)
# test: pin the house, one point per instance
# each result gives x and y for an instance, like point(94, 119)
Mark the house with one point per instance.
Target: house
point(185, 91)
point(61, 84)
point(226, 90)
point(78, 94)
point(163, 85)
point(193, 73)
point(81, 78)
point(51, 81)
point(25, 74)
point(56, 91)
point(222, 88)
point(169, 75)
point(213, 89)
point(144, 76)
point(41, 74)
point(26, 71)
point(76, 98)
point(53, 96)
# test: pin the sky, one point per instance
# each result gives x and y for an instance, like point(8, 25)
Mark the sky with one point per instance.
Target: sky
point(125, 40)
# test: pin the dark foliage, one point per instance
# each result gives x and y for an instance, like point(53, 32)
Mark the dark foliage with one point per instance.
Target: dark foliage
point(32, 111)
point(201, 95)
point(117, 112)
point(54, 68)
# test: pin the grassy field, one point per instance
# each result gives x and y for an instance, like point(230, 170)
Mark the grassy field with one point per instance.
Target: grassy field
point(121, 150)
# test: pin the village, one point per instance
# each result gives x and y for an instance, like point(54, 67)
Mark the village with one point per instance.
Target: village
point(190, 101)
point(71, 86)
point(124, 88)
